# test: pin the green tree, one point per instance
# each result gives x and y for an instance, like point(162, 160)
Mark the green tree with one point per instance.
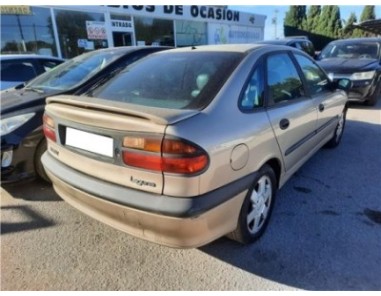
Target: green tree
point(348, 30)
point(368, 13)
point(312, 19)
point(295, 18)
point(329, 22)
point(335, 22)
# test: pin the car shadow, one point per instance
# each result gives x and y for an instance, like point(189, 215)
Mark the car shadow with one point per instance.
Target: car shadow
point(21, 218)
point(32, 190)
point(325, 232)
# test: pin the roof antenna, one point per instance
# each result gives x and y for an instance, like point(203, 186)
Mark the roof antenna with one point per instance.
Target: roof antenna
point(194, 47)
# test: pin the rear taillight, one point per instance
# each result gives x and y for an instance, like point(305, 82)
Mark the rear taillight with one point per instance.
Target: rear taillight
point(49, 128)
point(169, 155)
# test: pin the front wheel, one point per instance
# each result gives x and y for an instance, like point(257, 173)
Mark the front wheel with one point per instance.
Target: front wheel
point(339, 130)
point(257, 207)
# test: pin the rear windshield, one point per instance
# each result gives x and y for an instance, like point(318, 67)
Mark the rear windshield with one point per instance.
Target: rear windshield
point(183, 80)
point(75, 71)
point(351, 51)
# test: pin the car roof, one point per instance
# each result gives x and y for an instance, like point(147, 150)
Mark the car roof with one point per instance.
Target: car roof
point(131, 48)
point(284, 41)
point(27, 56)
point(357, 40)
point(240, 48)
point(125, 49)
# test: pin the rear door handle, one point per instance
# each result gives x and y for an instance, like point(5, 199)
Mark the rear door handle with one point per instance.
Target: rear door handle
point(321, 107)
point(284, 124)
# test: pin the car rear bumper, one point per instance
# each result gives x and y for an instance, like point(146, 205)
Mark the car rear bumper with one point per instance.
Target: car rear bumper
point(187, 224)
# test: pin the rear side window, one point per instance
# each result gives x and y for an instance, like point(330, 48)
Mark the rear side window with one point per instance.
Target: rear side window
point(17, 71)
point(182, 80)
point(284, 83)
point(254, 92)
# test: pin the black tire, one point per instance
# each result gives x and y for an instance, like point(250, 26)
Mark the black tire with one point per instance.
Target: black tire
point(38, 167)
point(339, 130)
point(372, 100)
point(246, 232)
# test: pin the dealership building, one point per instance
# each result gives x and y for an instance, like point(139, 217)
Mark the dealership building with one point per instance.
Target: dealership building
point(67, 31)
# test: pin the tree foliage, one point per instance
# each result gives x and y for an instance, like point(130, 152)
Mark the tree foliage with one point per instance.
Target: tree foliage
point(312, 20)
point(295, 16)
point(368, 13)
point(322, 24)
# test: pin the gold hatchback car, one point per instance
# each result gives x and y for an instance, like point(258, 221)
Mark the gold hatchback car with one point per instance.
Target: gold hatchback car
point(190, 144)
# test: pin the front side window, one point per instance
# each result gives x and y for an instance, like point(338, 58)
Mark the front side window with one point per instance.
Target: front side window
point(184, 80)
point(316, 80)
point(284, 83)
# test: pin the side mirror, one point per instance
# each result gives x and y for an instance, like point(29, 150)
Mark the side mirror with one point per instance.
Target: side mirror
point(344, 84)
point(20, 86)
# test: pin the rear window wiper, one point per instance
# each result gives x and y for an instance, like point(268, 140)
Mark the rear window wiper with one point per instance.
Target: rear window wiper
point(37, 90)
point(103, 79)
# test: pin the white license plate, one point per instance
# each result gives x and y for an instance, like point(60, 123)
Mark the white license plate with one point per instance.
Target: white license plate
point(89, 142)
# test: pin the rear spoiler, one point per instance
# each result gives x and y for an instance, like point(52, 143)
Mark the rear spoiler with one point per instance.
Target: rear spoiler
point(160, 116)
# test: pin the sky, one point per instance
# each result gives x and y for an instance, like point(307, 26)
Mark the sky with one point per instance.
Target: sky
point(269, 11)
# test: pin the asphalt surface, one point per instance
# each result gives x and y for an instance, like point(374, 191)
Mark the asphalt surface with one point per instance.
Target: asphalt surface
point(325, 234)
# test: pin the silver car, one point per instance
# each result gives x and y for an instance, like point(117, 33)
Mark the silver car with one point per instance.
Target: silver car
point(188, 145)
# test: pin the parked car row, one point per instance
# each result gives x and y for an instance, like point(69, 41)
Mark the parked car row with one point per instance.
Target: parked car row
point(136, 137)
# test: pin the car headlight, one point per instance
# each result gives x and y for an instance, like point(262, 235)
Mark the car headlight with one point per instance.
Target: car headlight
point(363, 75)
point(11, 123)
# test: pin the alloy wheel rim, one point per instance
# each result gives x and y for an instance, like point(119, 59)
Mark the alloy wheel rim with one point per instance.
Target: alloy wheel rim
point(260, 201)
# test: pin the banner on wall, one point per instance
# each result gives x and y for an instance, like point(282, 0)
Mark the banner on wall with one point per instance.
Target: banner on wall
point(223, 34)
point(96, 30)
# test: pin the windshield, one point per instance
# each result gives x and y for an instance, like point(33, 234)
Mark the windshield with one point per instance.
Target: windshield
point(351, 51)
point(184, 80)
point(75, 71)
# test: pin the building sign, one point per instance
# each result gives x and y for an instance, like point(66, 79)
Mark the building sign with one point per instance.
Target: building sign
point(15, 9)
point(96, 30)
point(182, 11)
point(121, 26)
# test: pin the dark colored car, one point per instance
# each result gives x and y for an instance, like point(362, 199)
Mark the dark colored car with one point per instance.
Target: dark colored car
point(360, 61)
point(299, 43)
point(22, 139)
point(19, 68)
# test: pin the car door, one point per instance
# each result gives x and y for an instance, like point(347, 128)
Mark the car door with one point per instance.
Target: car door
point(323, 98)
point(291, 112)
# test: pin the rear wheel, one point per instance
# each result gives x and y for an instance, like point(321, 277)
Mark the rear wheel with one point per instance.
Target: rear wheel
point(339, 130)
point(257, 207)
point(39, 168)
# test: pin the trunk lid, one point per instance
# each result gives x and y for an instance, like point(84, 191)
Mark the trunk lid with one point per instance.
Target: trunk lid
point(84, 125)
